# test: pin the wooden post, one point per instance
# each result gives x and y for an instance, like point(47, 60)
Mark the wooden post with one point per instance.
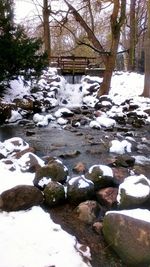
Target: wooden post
point(73, 69)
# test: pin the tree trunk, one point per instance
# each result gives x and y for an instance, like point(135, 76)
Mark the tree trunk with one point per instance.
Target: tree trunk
point(131, 66)
point(47, 41)
point(110, 66)
point(116, 24)
point(146, 91)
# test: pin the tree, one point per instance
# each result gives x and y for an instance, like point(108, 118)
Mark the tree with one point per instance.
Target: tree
point(146, 92)
point(46, 26)
point(133, 27)
point(117, 20)
point(19, 54)
point(109, 57)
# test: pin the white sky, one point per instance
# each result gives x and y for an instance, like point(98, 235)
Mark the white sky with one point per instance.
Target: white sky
point(23, 9)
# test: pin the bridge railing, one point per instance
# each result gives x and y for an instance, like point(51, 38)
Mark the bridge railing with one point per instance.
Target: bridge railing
point(74, 65)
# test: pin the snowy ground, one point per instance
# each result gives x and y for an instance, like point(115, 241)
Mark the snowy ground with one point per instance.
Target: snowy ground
point(30, 238)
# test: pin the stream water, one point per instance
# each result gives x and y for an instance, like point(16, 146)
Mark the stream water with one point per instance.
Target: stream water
point(71, 146)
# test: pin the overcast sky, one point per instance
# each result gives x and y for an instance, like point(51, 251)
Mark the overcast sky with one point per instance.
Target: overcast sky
point(24, 8)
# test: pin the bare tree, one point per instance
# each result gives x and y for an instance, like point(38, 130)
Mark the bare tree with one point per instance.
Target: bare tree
point(46, 26)
point(117, 20)
point(133, 26)
point(146, 91)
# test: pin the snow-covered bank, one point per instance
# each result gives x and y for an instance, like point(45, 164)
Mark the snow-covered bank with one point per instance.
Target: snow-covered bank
point(31, 239)
point(123, 85)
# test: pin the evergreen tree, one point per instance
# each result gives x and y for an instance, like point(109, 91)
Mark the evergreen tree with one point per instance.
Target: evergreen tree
point(19, 54)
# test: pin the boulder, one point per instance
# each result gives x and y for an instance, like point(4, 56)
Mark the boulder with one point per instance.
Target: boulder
point(120, 173)
point(80, 167)
point(128, 236)
point(107, 196)
point(124, 161)
point(79, 189)
point(24, 103)
point(20, 197)
point(133, 192)
point(5, 112)
point(54, 171)
point(101, 176)
point(88, 211)
point(54, 194)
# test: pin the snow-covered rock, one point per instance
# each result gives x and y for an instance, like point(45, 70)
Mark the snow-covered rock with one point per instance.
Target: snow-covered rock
point(133, 192)
point(120, 147)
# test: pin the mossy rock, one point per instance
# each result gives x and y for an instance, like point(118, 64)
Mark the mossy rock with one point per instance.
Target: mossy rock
point(54, 194)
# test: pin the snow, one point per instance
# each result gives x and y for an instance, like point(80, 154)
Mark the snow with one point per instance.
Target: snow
point(15, 116)
point(126, 85)
point(24, 242)
point(44, 181)
point(106, 122)
point(61, 111)
point(11, 145)
point(23, 161)
point(95, 125)
point(9, 179)
point(107, 171)
point(82, 181)
point(137, 186)
point(142, 160)
point(19, 90)
point(120, 147)
point(62, 121)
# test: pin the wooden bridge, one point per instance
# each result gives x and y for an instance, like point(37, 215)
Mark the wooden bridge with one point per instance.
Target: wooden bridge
point(76, 65)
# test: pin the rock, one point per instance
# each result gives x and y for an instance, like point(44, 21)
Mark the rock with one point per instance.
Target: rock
point(63, 112)
point(20, 197)
point(37, 106)
point(120, 173)
point(104, 103)
point(107, 196)
point(21, 153)
point(70, 154)
point(124, 161)
point(5, 112)
point(88, 211)
point(15, 144)
point(128, 236)
point(9, 163)
point(30, 133)
point(29, 162)
point(54, 171)
point(80, 167)
point(24, 103)
point(133, 192)
point(54, 194)
point(79, 189)
point(101, 176)
point(97, 226)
